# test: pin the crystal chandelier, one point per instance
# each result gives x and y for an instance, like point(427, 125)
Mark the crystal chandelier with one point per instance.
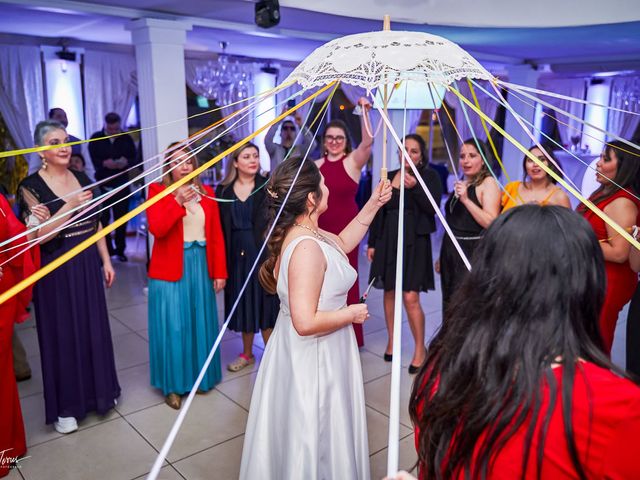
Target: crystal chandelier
point(627, 94)
point(224, 80)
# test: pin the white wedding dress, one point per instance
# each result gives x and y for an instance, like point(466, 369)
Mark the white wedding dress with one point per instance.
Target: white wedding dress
point(307, 418)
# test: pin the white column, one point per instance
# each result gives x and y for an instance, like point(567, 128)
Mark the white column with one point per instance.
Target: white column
point(64, 87)
point(159, 48)
point(64, 90)
point(511, 156)
point(597, 92)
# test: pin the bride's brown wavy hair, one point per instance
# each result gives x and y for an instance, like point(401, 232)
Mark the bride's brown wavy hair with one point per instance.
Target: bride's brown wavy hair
point(308, 182)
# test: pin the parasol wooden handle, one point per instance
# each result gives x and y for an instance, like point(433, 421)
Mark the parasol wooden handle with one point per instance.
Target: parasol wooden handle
point(386, 25)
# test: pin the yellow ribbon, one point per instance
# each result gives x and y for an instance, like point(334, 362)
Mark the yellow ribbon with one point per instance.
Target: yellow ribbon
point(551, 173)
point(27, 282)
point(42, 148)
point(486, 130)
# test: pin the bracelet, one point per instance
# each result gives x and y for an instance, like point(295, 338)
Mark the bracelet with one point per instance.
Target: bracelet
point(363, 224)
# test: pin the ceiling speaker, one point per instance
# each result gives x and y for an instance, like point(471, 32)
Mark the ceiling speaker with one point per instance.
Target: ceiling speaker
point(267, 13)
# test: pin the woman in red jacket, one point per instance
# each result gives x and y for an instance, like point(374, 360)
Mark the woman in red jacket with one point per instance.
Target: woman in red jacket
point(186, 269)
point(12, 437)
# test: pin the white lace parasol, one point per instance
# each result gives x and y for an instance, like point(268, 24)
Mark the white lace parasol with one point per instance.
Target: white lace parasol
point(370, 60)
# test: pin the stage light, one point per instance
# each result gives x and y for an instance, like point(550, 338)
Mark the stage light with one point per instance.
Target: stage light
point(64, 54)
point(270, 69)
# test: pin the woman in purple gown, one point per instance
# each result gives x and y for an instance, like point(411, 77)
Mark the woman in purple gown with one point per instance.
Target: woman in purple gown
point(78, 368)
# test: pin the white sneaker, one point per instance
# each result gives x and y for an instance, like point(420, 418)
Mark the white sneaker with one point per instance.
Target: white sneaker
point(65, 425)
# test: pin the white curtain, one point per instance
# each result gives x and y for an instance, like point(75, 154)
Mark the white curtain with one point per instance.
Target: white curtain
point(282, 95)
point(21, 95)
point(571, 87)
point(487, 106)
point(110, 85)
point(620, 123)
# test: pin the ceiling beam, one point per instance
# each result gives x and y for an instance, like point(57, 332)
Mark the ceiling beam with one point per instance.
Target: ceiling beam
point(133, 13)
point(130, 13)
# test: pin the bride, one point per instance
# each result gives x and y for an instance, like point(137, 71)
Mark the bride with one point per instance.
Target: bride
point(307, 417)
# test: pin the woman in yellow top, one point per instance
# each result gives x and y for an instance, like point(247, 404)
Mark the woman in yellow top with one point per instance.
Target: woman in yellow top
point(536, 186)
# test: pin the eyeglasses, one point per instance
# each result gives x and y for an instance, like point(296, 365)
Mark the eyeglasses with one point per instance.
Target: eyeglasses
point(332, 139)
point(288, 128)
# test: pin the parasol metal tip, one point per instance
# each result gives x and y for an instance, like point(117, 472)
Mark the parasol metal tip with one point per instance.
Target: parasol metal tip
point(386, 22)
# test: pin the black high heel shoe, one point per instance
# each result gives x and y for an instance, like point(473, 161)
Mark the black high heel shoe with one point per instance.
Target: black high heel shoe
point(413, 369)
point(388, 357)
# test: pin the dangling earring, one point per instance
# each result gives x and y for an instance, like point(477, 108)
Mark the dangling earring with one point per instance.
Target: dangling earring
point(44, 163)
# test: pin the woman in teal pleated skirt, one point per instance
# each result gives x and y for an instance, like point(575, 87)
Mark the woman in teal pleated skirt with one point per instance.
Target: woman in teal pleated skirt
point(184, 326)
point(186, 269)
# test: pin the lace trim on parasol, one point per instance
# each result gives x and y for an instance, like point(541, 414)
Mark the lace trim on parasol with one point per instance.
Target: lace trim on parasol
point(370, 60)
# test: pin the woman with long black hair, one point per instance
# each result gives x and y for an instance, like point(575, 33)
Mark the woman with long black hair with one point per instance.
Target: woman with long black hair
point(472, 206)
point(617, 173)
point(516, 383)
point(536, 185)
point(244, 218)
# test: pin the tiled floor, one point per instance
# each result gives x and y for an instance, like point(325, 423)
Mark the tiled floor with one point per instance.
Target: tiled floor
point(124, 444)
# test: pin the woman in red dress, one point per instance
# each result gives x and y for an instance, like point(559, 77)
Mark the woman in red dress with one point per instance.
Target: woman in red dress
point(516, 383)
point(341, 167)
point(12, 437)
point(617, 172)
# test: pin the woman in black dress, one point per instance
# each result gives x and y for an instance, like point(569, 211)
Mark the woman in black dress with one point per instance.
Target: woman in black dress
point(244, 219)
point(419, 223)
point(473, 205)
point(78, 367)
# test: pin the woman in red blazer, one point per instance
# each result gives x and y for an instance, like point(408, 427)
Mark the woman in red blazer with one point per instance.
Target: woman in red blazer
point(12, 437)
point(187, 267)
